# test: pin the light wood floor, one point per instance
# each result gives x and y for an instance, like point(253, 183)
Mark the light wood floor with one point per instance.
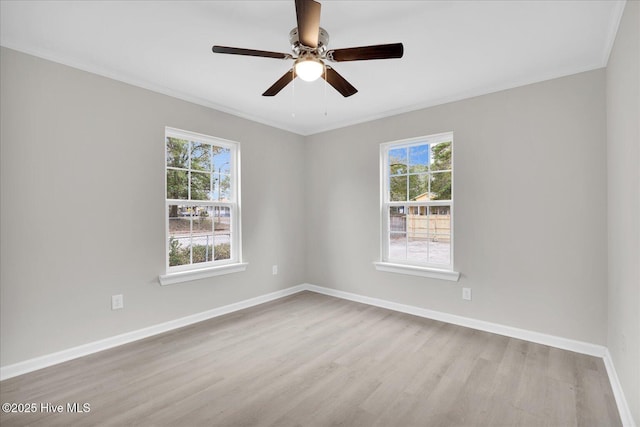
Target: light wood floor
point(313, 360)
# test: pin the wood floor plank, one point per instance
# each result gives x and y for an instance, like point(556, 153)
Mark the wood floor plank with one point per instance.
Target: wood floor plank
point(532, 387)
point(560, 402)
point(313, 360)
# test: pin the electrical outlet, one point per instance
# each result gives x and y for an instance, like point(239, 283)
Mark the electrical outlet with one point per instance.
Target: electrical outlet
point(117, 302)
point(274, 269)
point(466, 294)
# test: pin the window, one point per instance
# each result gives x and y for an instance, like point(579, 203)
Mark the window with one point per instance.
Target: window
point(417, 203)
point(202, 202)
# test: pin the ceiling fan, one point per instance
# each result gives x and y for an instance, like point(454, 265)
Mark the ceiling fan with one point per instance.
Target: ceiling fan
point(309, 46)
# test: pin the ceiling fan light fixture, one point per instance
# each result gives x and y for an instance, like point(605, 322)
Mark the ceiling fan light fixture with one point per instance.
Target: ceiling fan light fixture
point(309, 45)
point(309, 69)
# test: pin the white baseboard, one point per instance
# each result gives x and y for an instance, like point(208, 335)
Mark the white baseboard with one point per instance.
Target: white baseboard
point(523, 334)
point(618, 393)
point(30, 365)
point(34, 364)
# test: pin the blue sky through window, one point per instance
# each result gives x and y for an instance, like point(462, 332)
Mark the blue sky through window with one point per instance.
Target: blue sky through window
point(222, 161)
point(419, 156)
point(409, 159)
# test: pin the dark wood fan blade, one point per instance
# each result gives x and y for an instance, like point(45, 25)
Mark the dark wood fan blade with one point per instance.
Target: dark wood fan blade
point(380, 51)
point(308, 16)
point(249, 52)
point(281, 83)
point(338, 82)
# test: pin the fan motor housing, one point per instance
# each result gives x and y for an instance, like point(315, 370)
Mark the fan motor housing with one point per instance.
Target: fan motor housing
point(298, 48)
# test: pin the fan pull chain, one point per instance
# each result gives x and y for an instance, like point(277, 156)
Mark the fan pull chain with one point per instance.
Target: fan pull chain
point(293, 93)
point(325, 89)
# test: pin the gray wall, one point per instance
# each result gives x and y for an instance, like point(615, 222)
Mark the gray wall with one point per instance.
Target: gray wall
point(623, 177)
point(530, 208)
point(82, 208)
point(82, 200)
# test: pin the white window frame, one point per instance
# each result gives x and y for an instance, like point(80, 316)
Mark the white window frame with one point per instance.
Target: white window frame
point(412, 267)
point(187, 272)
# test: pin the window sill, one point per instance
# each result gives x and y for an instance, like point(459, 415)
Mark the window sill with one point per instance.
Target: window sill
point(413, 270)
point(186, 276)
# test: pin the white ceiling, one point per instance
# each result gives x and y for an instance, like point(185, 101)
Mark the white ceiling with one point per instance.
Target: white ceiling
point(453, 50)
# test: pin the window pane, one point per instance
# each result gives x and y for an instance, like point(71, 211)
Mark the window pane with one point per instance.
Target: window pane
point(200, 186)
point(398, 189)
point(439, 220)
point(177, 184)
point(202, 249)
point(419, 158)
point(221, 188)
point(440, 234)
point(417, 223)
point(440, 249)
point(398, 235)
point(221, 220)
point(202, 246)
point(417, 234)
point(419, 187)
point(179, 235)
point(200, 156)
point(418, 247)
point(441, 186)
point(398, 246)
point(397, 219)
point(222, 230)
point(202, 223)
point(222, 249)
point(221, 160)
point(397, 161)
point(441, 156)
point(177, 153)
point(180, 220)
